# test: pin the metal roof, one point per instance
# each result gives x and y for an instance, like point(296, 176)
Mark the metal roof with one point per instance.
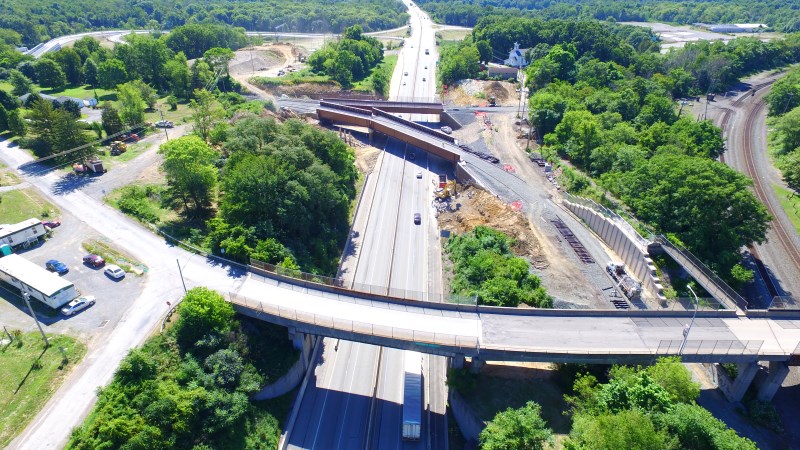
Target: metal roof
point(32, 275)
point(9, 229)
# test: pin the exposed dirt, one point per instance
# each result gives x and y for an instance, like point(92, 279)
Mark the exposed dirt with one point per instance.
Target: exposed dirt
point(366, 157)
point(515, 370)
point(474, 207)
point(314, 90)
point(257, 61)
point(476, 92)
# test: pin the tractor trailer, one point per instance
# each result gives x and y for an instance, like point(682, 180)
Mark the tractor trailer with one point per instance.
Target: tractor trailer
point(412, 396)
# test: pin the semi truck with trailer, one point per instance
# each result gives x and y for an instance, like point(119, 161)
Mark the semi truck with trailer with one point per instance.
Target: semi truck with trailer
point(412, 396)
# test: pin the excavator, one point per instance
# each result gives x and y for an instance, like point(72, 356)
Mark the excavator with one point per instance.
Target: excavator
point(446, 189)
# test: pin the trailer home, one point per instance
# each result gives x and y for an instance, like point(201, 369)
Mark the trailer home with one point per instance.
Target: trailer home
point(39, 282)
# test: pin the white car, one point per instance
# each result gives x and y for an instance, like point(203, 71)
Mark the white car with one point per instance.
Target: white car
point(78, 304)
point(419, 174)
point(114, 272)
point(446, 129)
point(164, 124)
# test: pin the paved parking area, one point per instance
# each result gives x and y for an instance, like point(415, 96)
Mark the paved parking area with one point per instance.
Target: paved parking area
point(113, 296)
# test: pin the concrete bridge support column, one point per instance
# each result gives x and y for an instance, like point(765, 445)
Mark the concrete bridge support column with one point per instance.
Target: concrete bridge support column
point(777, 373)
point(747, 372)
point(476, 365)
point(457, 362)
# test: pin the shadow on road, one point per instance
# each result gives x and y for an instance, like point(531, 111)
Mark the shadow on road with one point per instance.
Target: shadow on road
point(71, 182)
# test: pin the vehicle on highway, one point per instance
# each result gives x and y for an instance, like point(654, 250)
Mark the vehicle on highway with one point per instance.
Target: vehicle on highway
point(446, 129)
point(423, 78)
point(56, 266)
point(51, 223)
point(404, 83)
point(412, 396)
point(94, 261)
point(417, 218)
point(419, 174)
point(426, 67)
point(114, 272)
point(427, 52)
point(78, 304)
point(164, 124)
point(405, 74)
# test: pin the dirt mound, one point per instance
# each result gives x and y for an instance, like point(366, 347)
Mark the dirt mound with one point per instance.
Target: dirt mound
point(476, 92)
point(474, 207)
point(496, 89)
point(262, 60)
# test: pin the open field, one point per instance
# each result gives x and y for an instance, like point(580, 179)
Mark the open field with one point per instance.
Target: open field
point(30, 375)
point(21, 204)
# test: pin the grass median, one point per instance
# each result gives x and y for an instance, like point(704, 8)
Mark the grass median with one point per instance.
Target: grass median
point(31, 374)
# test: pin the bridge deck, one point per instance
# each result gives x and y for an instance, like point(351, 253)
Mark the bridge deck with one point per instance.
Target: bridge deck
point(528, 335)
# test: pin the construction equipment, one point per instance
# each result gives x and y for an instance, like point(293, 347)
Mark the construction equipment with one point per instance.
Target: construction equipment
point(446, 189)
point(492, 101)
point(118, 148)
point(630, 287)
point(92, 165)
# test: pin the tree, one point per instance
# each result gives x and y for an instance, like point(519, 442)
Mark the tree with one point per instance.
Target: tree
point(70, 62)
point(218, 59)
point(131, 103)
point(90, 72)
point(517, 429)
point(673, 376)
point(788, 128)
point(707, 205)
point(3, 119)
point(206, 111)
point(696, 428)
point(21, 84)
point(380, 84)
point(110, 119)
point(202, 311)
point(49, 74)
point(111, 73)
point(630, 429)
point(178, 76)
point(148, 94)
point(15, 123)
point(189, 167)
point(790, 166)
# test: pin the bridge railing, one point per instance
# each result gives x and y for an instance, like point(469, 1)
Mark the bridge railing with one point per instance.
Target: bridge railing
point(705, 271)
point(709, 347)
point(436, 133)
point(354, 326)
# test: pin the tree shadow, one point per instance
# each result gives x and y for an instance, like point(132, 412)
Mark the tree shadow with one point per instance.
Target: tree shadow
point(36, 365)
point(72, 182)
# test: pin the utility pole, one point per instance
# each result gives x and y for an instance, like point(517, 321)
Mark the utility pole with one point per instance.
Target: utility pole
point(181, 272)
point(26, 296)
point(163, 121)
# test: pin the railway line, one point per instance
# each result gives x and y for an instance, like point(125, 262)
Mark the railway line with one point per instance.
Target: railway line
point(751, 171)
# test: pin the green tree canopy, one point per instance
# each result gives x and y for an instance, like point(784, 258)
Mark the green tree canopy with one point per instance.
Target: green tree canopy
point(516, 429)
point(202, 311)
point(189, 168)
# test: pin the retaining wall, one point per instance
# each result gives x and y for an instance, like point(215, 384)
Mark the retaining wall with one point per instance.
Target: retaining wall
point(635, 257)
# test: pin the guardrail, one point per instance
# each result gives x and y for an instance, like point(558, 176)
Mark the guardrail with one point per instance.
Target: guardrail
point(435, 133)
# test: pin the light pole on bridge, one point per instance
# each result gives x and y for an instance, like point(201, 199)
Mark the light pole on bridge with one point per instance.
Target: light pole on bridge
point(688, 327)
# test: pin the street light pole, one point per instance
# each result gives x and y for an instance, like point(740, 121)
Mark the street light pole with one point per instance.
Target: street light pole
point(689, 326)
point(162, 121)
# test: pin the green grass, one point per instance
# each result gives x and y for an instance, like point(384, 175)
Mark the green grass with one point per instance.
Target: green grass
point(790, 202)
point(30, 375)
point(493, 394)
point(292, 78)
point(83, 92)
point(21, 204)
point(6, 86)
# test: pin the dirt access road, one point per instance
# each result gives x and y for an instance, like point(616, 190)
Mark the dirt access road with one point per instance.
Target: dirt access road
point(261, 61)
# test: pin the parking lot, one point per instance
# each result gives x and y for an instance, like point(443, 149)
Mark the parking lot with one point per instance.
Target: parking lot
point(113, 296)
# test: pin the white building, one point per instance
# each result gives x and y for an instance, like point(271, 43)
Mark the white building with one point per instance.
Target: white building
point(24, 234)
point(516, 58)
point(39, 282)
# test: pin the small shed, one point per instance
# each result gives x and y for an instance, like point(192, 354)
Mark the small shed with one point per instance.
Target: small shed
point(37, 281)
point(22, 234)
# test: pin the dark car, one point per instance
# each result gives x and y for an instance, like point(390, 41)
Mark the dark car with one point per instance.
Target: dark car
point(56, 266)
point(51, 223)
point(94, 260)
point(417, 218)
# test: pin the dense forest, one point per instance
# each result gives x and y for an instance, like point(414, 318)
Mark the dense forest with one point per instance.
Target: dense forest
point(39, 20)
point(779, 15)
point(189, 387)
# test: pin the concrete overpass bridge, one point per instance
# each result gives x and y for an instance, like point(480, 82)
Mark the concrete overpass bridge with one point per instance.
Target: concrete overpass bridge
point(511, 334)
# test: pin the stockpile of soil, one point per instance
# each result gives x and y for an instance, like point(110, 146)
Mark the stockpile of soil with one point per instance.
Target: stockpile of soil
point(474, 207)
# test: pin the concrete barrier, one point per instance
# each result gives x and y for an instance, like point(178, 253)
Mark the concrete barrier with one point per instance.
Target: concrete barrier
point(466, 419)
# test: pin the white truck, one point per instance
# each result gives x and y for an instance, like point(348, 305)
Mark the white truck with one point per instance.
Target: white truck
point(412, 396)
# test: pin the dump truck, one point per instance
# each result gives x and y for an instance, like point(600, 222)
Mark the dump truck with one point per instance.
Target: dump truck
point(492, 101)
point(412, 396)
point(92, 165)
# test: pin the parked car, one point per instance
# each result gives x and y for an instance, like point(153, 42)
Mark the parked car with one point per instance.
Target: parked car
point(114, 272)
point(164, 124)
point(51, 223)
point(417, 218)
point(56, 266)
point(446, 129)
point(78, 304)
point(94, 261)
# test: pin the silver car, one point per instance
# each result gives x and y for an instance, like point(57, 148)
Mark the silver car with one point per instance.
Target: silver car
point(78, 304)
point(114, 272)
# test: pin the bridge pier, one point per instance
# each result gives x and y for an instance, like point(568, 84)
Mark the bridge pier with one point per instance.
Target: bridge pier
point(303, 342)
point(457, 361)
point(746, 373)
point(476, 365)
point(777, 373)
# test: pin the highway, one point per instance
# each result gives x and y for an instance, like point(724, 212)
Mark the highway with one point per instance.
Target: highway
point(338, 410)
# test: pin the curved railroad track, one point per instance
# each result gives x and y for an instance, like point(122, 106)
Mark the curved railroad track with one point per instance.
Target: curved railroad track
point(761, 192)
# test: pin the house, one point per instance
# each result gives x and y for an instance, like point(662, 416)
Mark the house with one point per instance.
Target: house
point(37, 281)
point(24, 234)
point(506, 73)
point(516, 58)
point(60, 99)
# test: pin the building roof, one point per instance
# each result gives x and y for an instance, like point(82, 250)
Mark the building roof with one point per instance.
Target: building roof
point(32, 275)
point(9, 229)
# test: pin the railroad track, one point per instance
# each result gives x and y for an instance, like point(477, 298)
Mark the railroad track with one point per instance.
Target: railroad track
point(758, 186)
point(726, 117)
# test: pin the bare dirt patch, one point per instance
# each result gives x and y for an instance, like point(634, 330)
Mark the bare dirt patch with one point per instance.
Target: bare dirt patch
point(475, 207)
point(256, 60)
point(476, 92)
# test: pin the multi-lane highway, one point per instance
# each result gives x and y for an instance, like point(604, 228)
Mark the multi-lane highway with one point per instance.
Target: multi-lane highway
point(354, 399)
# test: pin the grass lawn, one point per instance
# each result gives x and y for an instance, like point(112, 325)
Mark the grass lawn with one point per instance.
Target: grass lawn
point(387, 66)
point(790, 202)
point(292, 78)
point(7, 177)
point(82, 92)
point(520, 384)
point(21, 204)
point(113, 256)
point(177, 116)
point(453, 35)
point(30, 375)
